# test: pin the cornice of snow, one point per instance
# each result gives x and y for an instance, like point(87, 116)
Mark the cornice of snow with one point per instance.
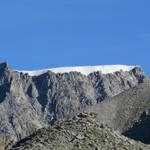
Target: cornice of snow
point(85, 70)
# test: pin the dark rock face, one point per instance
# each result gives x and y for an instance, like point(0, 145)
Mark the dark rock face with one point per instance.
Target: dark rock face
point(140, 130)
point(28, 103)
point(81, 132)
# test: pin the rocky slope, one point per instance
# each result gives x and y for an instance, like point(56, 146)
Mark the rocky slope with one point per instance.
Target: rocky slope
point(80, 133)
point(28, 103)
point(128, 112)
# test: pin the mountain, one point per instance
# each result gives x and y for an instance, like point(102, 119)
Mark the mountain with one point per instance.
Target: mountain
point(32, 100)
point(128, 112)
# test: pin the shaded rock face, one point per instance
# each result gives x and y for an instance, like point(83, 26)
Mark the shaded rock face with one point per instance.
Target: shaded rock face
point(140, 130)
point(79, 133)
point(28, 103)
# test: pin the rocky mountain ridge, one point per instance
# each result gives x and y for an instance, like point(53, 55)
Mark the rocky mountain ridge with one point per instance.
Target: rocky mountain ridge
point(28, 103)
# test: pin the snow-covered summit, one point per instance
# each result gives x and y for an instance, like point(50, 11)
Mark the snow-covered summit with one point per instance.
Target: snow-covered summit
point(86, 70)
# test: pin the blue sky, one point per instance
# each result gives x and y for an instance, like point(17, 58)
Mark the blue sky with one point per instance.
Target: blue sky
point(37, 34)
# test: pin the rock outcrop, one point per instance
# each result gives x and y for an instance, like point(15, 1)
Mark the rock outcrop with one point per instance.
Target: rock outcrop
point(79, 133)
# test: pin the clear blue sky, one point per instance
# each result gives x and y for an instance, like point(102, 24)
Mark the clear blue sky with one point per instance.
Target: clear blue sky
point(37, 34)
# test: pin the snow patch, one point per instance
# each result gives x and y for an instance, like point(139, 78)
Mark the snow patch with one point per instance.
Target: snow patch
point(85, 70)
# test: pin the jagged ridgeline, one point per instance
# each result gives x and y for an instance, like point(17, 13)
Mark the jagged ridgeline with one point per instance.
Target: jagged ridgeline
point(30, 101)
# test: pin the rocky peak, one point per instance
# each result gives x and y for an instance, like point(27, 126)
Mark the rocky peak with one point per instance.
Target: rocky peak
point(4, 69)
point(4, 65)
